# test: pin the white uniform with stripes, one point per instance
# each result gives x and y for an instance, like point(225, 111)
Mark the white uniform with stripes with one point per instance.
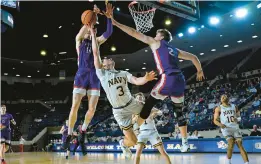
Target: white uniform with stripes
point(115, 85)
point(227, 116)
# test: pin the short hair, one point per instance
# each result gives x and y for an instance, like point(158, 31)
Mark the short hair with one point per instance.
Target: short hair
point(3, 105)
point(166, 34)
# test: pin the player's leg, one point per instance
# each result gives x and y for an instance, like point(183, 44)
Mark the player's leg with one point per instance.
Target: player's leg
point(242, 150)
point(230, 148)
point(75, 146)
point(92, 103)
point(82, 147)
point(128, 141)
point(163, 153)
point(139, 149)
point(93, 93)
point(2, 151)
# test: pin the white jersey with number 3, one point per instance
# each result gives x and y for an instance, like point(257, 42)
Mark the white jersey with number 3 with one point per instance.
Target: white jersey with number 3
point(115, 84)
point(227, 116)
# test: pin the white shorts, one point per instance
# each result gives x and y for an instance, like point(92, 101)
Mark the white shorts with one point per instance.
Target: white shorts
point(91, 92)
point(123, 116)
point(149, 135)
point(231, 133)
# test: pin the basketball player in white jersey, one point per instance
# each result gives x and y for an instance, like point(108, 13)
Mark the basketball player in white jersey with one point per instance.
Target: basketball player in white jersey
point(172, 83)
point(148, 132)
point(115, 85)
point(227, 117)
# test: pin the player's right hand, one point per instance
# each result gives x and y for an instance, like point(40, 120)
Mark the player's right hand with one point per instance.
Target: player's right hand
point(200, 75)
point(223, 126)
point(150, 76)
point(109, 11)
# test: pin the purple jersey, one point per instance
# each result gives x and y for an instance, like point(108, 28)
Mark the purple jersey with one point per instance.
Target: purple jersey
point(85, 58)
point(166, 58)
point(5, 121)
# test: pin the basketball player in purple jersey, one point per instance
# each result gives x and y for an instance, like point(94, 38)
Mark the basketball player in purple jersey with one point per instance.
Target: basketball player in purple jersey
point(86, 80)
point(64, 132)
point(5, 134)
point(172, 82)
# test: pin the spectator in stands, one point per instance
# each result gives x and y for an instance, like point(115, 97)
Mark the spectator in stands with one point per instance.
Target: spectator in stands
point(255, 132)
point(252, 89)
point(256, 103)
point(195, 135)
point(253, 115)
point(258, 112)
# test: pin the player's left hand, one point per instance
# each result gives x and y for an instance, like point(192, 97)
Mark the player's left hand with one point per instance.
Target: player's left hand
point(200, 75)
point(150, 76)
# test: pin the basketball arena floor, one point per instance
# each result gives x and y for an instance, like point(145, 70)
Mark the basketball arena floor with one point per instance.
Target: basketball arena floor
point(118, 158)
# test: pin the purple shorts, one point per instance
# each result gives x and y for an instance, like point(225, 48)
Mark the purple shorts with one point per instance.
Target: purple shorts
point(87, 81)
point(5, 136)
point(172, 85)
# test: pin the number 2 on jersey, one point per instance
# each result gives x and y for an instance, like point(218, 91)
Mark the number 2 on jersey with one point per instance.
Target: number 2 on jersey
point(120, 89)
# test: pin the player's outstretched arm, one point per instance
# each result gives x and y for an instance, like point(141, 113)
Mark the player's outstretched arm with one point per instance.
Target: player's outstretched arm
point(194, 59)
point(143, 80)
point(217, 118)
point(80, 36)
point(132, 32)
point(238, 117)
point(95, 50)
point(109, 12)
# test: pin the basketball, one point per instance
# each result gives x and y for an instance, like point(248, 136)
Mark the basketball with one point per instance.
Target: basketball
point(88, 17)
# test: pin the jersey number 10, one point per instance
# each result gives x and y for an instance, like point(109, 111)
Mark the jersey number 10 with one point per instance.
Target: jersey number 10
point(230, 119)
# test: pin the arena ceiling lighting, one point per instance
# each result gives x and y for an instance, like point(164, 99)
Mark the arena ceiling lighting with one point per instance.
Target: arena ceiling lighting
point(17, 75)
point(181, 60)
point(45, 36)
point(21, 62)
point(202, 26)
point(252, 24)
point(123, 59)
point(48, 75)
point(201, 53)
point(118, 9)
point(213, 50)
point(13, 67)
point(144, 63)
point(146, 50)
point(239, 41)
point(167, 22)
point(143, 68)
point(220, 35)
point(38, 71)
point(5, 74)
point(191, 46)
point(192, 30)
point(240, 13)
point(226, 45)
point(29, 76)
point(127, 69)
point(255, 36)
point(259, 6)
point(214, 20)
point(60, 27)
point(180, 35)
point(43, 52)
point(113, 48)
point(61, 53)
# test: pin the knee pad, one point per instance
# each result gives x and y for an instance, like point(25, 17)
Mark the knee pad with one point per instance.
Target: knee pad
point(179, 114)
point(149, 104)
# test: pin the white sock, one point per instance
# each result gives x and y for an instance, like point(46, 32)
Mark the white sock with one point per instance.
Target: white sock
point(246, 163)
point(229, 161)
point(184, 140)
point(84, 127)
point(70, 130)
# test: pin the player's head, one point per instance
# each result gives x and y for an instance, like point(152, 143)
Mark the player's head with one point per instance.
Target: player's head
point(224, 99)
point(3, 109)
point(140, 97)
point(108, 64)
point(254, 127)
point(163, 34)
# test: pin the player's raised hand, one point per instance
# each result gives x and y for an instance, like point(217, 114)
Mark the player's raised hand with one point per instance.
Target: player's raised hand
point(109, 10)
point(97, 10)
point(150, 76)
point(200, 75)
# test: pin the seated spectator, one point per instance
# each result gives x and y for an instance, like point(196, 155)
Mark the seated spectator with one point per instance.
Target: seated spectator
point(195, 135)
point(252, 89)
point(256, 103)
point(258, 112)
point(255, 132)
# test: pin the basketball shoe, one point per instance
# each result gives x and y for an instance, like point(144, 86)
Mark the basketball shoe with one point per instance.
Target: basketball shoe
point(126, 151)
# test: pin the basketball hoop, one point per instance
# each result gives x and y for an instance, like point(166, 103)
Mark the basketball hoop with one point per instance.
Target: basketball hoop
point(142, 15)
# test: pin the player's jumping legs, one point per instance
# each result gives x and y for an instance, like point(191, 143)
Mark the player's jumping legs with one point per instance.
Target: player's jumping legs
point(139, 149)
point(129, 140)
point(164, 153)
point(242, 150)
point(230, 148)
point(77, 97)
point(92, 103)
point(146, 109)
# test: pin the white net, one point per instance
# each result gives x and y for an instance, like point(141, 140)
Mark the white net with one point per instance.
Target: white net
point(142, 15)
